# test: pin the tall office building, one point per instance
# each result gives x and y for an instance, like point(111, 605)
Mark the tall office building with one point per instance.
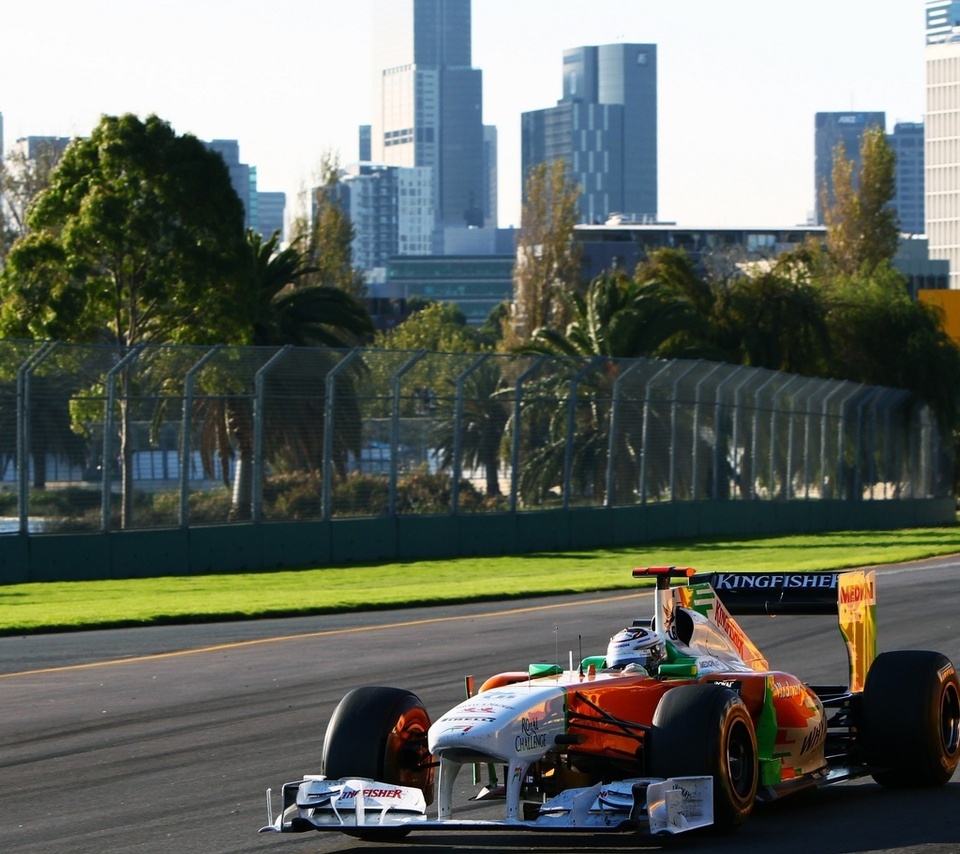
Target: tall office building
point(942, 17)
point(243, 177)
point(391, 208)
point(605, 130)
point(363, 144)
point(941, 130)
point(490, 199)
point(830, 130)
point(906, 142)
point(271, 208)
point(428, 102)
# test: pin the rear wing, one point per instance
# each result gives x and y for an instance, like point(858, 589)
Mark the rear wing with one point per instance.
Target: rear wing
point(774, 593)
point(850, 595)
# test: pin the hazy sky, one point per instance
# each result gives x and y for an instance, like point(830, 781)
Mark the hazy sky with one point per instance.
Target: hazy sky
point(739, 81)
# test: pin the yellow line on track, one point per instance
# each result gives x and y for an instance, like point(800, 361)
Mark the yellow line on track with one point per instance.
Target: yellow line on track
point(326, 633)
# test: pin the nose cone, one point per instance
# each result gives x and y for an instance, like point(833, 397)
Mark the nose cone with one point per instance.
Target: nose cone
point(519, 721)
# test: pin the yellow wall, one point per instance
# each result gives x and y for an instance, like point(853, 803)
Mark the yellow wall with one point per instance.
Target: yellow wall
point(948, 301)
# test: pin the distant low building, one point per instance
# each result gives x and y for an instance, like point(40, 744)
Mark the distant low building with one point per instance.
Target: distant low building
point(622, 246)
point(34, 147)
point(476, 283)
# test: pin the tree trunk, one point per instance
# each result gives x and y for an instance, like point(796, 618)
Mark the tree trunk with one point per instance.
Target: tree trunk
point(126, 456)
point(240, 429)
point(40, 469)
point(493, 476)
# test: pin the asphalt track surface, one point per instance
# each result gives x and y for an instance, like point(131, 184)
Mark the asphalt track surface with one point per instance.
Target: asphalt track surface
point(164, 740)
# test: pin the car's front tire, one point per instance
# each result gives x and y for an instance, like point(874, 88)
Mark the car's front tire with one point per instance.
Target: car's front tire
point(910, 719)
point(380, 733)
point(705, 729)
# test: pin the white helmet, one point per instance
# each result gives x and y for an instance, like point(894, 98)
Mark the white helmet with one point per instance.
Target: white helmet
point(636, 645)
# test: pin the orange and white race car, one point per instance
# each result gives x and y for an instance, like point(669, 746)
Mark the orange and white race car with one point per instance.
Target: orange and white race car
point(681, 724)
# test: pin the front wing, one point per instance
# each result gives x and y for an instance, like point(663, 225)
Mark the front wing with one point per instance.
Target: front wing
point(654, 805)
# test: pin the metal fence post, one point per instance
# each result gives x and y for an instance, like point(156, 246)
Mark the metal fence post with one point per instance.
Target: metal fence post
point(858, 468)
point(788, 485)
point(395, 427)
point(186, 433)
point(24, 372)
point(572, 427)
point(515, 444)
point(735, 438)
point(841, 424)
point(259, 392)
point(644, 442)
point(111, 390)
point(734, 372)
point(458, 433)
point(823, 438)
point(695, 457)
point(773, 431)
point(756, 430)
point(888, 464)
point(673, 430)
point(614, 428)
point(329, 411)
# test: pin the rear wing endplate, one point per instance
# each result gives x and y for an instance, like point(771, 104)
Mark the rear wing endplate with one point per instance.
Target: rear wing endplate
point(850, 595)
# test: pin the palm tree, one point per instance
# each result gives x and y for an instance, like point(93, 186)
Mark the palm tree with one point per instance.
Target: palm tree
point(485, 414)
point(287, 312)
point(617, 319)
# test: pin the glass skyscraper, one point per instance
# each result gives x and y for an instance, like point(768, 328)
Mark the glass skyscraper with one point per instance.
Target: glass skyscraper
point(428, 102)
point(906, 141)
point(605, 130)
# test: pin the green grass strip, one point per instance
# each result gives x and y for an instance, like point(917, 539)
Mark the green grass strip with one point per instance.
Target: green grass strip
point(70, 606)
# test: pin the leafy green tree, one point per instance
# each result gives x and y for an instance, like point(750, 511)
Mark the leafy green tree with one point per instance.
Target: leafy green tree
point(22, 179)
point(548, 257)
point(770, 320)
point(880, 336)
point(862, 226)
point(138, 239)
point(328, 235)
point(618, 318)
point(437, 327)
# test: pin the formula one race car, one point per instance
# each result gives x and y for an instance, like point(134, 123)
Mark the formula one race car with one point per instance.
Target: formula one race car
point(680, 725)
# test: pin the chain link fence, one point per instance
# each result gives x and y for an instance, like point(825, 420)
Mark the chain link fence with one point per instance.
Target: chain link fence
point(99, 439)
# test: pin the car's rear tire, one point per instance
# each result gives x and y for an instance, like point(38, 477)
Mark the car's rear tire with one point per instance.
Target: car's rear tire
point(380, 733)
point(910, 719)
point(705, 729)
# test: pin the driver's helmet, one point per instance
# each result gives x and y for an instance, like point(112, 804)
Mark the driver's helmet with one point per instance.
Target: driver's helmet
point(635, 645)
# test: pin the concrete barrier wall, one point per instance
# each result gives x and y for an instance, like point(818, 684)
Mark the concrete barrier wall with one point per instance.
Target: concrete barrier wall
point(251, 548)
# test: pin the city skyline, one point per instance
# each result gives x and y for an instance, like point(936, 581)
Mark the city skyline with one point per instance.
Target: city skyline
point(738, 84)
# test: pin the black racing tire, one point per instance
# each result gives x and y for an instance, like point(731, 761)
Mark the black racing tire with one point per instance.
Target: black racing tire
point(909, 722)
point(380, 733)
point(705, 729)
